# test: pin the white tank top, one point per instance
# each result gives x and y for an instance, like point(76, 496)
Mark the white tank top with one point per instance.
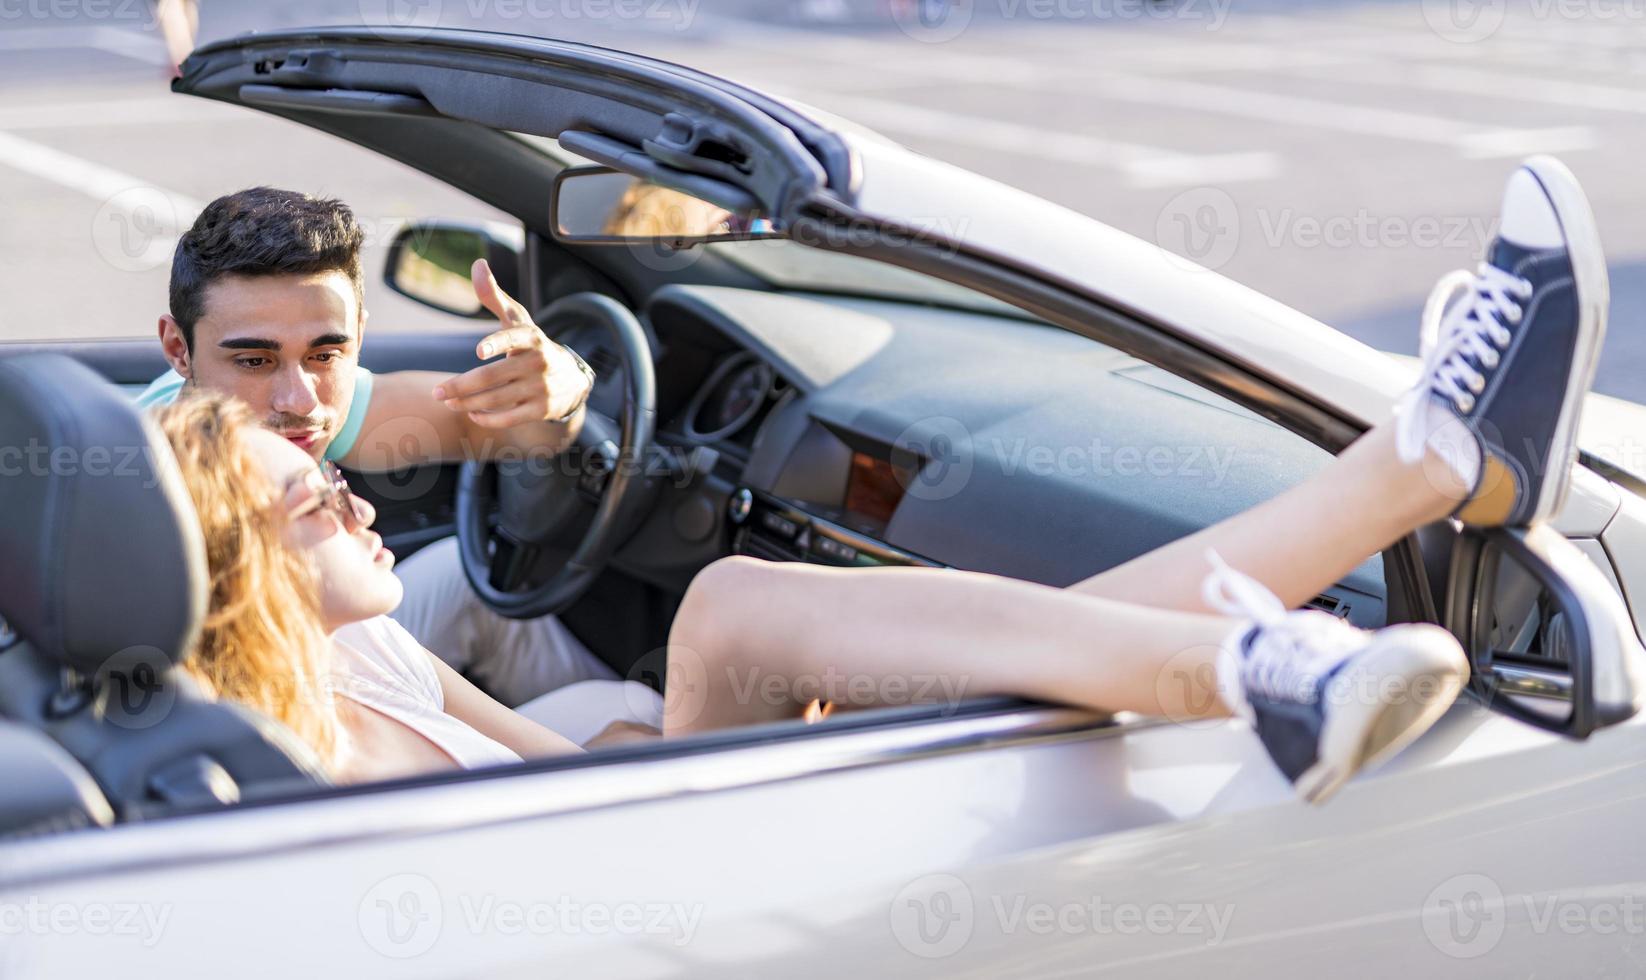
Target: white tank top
point(383, 667)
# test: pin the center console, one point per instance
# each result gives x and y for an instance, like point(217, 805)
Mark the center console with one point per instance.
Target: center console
point(776, 529)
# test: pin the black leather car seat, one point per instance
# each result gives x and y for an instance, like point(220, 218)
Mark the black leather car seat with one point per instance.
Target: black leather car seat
point(103, 578)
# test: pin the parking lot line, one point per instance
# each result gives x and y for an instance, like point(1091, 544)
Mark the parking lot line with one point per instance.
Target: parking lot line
point(118, 112)
point(134, 44)
point(163, 213)
point(1141, 166)
point(1468, 138)
point(1517, 87)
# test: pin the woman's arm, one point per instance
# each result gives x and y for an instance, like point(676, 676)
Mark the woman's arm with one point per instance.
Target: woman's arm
point(480, 711)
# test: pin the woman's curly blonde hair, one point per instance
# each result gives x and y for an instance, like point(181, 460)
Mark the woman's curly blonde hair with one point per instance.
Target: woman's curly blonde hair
point(262, 645)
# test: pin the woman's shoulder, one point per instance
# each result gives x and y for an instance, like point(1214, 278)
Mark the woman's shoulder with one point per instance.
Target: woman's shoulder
point(383, 646)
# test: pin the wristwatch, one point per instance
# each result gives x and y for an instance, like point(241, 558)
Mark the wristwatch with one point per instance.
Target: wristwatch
point(588, 372)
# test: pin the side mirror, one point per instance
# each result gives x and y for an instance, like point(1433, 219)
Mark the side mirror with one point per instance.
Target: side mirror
point(1550, 641)
point(429, 261)
point(602, 206)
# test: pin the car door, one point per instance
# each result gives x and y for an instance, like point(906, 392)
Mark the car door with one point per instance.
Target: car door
point(987, 839)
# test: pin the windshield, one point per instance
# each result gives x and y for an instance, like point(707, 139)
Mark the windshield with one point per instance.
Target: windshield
point(791, 265)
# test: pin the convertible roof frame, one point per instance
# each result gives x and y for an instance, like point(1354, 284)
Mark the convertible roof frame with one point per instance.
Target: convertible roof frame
point(379, 88)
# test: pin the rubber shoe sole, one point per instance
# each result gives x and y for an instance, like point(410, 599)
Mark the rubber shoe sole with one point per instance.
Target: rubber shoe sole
point(1360, 734)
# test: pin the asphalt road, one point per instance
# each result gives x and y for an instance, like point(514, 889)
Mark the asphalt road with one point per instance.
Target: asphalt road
point(1338, 156)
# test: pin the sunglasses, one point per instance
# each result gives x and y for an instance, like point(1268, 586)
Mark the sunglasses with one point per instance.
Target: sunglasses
point(336, 497)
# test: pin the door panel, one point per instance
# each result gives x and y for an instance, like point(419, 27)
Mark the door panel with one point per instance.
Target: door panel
point(1155, 850)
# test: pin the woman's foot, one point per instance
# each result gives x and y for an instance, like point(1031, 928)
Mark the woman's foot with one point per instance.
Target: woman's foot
point(1509, 353)
point(1328, 699)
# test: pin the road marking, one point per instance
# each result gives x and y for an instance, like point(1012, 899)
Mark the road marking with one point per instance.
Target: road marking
point(1516, 87)
point(120, 112)
point(147, 48)
point(1468, 138)
point(76, 173)
point(1141, 166)
point(138, 224)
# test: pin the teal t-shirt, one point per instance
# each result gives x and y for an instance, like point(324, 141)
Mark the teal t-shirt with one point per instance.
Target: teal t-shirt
point(163, 391)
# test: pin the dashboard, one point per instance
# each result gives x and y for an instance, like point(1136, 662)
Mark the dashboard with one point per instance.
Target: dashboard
point(847, 431)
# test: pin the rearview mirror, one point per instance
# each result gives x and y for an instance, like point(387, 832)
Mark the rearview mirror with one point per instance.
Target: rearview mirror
point(599, 205)
point(1550, 641)
point(429, 261)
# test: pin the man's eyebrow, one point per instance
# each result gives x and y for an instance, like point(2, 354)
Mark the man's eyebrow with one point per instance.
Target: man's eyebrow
point(249, 343)
point(330, 340)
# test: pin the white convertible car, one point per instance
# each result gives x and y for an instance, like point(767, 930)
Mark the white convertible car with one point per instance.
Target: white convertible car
point(857, 355)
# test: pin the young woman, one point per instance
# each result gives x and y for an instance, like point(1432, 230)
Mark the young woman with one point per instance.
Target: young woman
point(296, 628)
point(1486, 435)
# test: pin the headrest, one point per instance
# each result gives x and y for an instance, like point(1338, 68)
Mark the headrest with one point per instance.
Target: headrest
point(101, 558)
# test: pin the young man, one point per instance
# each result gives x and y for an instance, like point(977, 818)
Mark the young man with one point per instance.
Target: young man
point(267, 304)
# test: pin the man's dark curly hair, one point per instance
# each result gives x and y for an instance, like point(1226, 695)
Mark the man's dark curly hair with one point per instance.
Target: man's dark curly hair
point(262, 231)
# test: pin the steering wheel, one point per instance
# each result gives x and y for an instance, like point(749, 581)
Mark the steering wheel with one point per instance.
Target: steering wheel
point(542, 503)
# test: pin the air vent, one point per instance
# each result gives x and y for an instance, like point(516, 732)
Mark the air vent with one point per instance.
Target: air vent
point(1330, 604)
point(758, 545)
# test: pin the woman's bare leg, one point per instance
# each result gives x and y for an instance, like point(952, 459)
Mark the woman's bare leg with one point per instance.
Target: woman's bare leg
point(1303, 540)
point(1137, 637)
point(755, 641)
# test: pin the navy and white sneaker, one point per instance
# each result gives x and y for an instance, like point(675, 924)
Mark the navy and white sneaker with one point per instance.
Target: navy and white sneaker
point(1328, 699)
point(1510, 353)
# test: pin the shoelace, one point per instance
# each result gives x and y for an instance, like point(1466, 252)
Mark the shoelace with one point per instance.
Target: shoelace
point(1291, 651)
point(1451, 333)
